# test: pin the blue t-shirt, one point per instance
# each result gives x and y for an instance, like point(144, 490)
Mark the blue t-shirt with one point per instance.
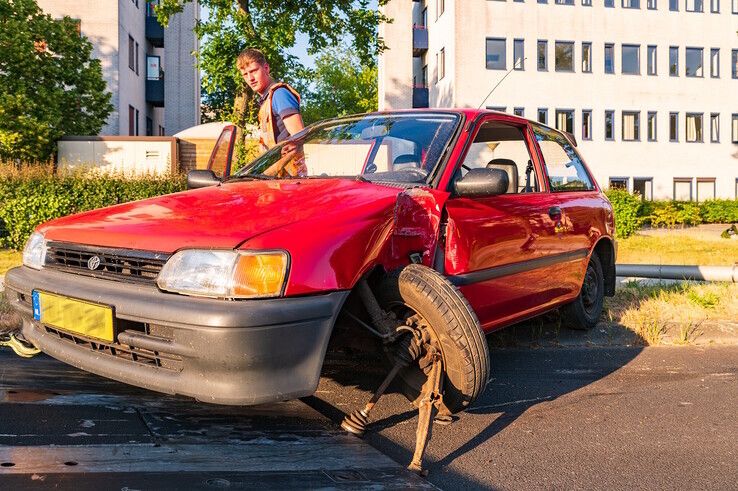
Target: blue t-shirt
point(284, 104)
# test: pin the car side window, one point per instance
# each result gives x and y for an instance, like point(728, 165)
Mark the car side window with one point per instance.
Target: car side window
point(565, 169)
point(502, 146)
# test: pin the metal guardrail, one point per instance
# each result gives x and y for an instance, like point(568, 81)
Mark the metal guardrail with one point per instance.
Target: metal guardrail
point(672, 272)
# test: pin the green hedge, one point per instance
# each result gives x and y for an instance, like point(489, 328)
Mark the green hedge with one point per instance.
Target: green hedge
point(631, 212)
point(30, 198)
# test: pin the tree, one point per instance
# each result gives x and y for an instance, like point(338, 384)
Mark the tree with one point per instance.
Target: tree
point(49, 83)
point(272, 26)
point(340, 84)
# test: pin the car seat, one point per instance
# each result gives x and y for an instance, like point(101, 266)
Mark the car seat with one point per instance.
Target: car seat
point(511, 168)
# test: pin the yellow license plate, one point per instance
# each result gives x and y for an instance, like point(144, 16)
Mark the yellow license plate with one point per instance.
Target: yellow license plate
point(75, 316)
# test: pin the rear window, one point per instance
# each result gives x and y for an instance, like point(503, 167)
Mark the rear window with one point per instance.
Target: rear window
point(564, 166)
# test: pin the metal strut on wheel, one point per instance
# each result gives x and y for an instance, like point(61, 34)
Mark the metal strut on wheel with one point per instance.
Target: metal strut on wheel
point(408, 350)
point(19, 345)
point(431, 402)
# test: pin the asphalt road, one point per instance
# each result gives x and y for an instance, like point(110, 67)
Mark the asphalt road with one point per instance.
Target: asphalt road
point(562, 418)
point(578, 418)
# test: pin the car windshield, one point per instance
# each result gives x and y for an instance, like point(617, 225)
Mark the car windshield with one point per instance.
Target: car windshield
point(402, 148)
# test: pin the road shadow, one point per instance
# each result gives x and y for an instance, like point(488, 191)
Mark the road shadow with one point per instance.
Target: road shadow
point(521, 378)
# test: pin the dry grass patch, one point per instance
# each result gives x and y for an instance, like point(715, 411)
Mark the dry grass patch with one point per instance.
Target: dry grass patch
point(9, 259)
point(677, 249)
point(675, 313)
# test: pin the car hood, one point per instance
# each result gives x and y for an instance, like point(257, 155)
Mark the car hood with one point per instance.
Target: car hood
point(221, 216)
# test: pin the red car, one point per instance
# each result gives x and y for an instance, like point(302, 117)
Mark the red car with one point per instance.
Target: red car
point(416, 232)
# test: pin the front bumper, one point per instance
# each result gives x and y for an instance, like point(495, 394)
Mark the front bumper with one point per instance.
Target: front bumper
point(225, 352)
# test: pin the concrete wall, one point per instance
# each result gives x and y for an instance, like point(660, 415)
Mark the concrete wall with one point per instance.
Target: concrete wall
point(181, 80)
point(145, 155)
point(99, 23)
point(472, 21)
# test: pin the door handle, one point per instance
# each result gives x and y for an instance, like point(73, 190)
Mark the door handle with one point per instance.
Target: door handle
point(555, 213)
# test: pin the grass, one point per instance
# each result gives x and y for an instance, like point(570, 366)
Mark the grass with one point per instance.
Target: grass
point(9, 259)
point(674, 312)
point(677, 249)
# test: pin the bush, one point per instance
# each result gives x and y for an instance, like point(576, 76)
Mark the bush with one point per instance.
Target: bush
point(719, 211)
point(31, 196)
point(628, 214)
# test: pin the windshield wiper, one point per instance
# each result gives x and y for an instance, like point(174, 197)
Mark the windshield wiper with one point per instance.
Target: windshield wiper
point(262, 177)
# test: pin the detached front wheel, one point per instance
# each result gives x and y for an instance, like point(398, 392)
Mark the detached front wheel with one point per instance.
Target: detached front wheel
point(429, 301)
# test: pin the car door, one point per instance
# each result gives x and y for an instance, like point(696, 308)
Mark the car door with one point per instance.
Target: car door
point(577, 198)
point(501, 250)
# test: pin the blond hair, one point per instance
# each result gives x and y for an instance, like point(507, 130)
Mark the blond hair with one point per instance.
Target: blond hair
point(250, 55)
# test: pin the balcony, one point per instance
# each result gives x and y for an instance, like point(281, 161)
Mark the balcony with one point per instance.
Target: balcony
point(154, 31)
point(420, 40)
point(420, 97)
point(155, 91)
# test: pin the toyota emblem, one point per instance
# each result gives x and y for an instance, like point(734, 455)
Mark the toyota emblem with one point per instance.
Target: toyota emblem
point(93, 263)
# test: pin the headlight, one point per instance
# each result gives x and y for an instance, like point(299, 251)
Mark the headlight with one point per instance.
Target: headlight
point(34, 253)
point(225, 274)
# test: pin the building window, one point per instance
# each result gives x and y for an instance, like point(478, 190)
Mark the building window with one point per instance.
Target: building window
point(542, 56)
point(694, 128)
point(673, 61)
point(694, 6)
point(131, 121)
point(693, 62)
point(440, 7)
point(519, 111)
point(735, 7)
point(542, 1)
point(149, 127)
point(631, 4)
point(587, 57)
point(734, 129)
point(715, 62)
point(496, 54)
point(137, 58)
point(499, 109)
point(674, 5)
point(565, 120)
point(651, 4)
point(651, 127)
point(673, 127)
point(610, 3)
point(564, 52)
point(715, 127)
point(631, 59)
point(651, 60)
point(609, 125)
point(715, 6)
point(162, 131)
point(631, 126)
point(543, 115)
point(587, 124)
point(441, 60)
point(705, 188)
point(609, 58)
point(519, 54)
point(564, 2)
point(586, 3)
point(682, 189)
point(137, 122)
point(734, 63)
point(644, 187)
point(618, 183)
point(131, 53)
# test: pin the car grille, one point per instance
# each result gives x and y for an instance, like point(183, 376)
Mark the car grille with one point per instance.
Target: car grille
point(114, 264)
point(142, 356)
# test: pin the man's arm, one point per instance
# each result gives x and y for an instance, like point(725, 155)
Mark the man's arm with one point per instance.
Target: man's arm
point(293, 123)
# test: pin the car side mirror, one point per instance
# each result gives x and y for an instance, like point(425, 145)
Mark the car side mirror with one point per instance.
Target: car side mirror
point(482, 182)
point(201, 178)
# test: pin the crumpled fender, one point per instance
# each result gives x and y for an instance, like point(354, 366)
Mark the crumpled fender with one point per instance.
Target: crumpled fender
point(335, 251)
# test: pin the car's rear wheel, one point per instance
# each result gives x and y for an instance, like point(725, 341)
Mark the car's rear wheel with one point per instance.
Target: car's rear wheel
point(584, 312)
point(422, 297)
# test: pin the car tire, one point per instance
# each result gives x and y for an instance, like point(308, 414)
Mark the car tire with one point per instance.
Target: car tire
point(585, 311)
point(453, 325)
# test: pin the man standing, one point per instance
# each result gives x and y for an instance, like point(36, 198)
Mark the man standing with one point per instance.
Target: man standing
point(279, 104)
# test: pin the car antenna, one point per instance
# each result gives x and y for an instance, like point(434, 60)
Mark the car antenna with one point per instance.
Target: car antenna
point(501, 80)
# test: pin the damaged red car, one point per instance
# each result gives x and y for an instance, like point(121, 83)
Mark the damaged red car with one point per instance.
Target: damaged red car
point(417, 230)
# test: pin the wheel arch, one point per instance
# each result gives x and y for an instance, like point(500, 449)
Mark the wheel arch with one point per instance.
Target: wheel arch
point(605, 250)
